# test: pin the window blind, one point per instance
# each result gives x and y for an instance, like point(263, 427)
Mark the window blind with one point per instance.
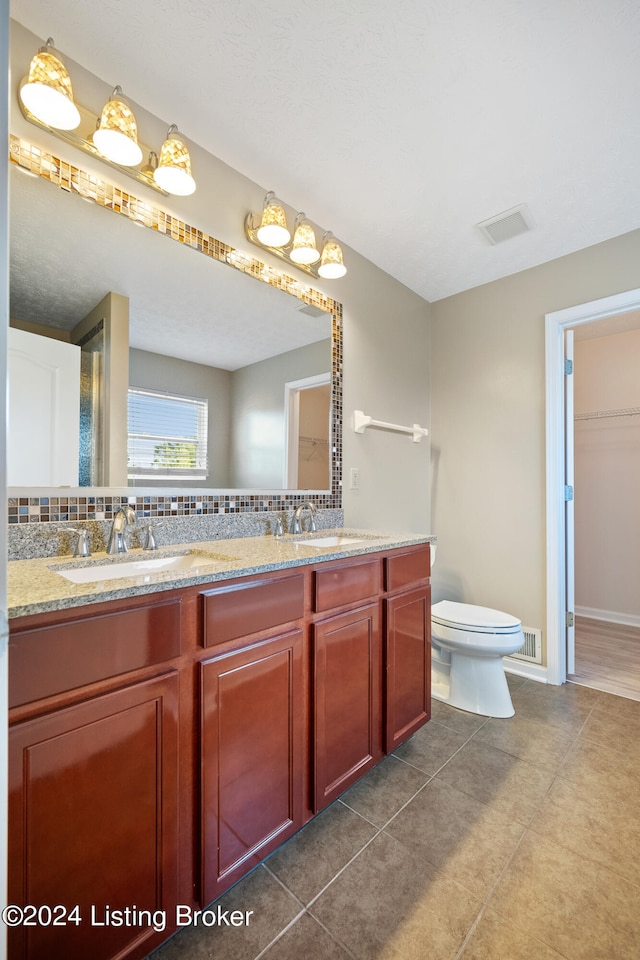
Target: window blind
point(167, 436)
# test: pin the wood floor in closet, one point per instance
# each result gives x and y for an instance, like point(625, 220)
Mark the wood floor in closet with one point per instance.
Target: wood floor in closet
point(608, 657)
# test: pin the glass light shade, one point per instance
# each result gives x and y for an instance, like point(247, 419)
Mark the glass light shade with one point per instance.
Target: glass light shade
point(331, 265)
point(173, 172)
point(304, 248)
point(47, 92)
point(273, 230)
point(117, 135)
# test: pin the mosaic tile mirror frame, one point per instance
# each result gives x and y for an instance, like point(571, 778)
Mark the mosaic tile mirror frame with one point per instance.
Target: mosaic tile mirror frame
point(86, 503)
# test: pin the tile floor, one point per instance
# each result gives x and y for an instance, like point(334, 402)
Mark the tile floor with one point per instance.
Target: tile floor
point(478, 839)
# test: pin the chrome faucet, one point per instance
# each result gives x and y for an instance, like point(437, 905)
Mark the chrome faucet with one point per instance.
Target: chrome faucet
point(296, 523)
point(81, 546)
point(117, 538)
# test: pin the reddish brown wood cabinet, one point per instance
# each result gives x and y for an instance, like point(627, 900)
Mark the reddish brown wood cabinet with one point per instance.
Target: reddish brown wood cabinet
point(347, 668)
point(251, 759)
point(94, 822)
point(408, 665)
point(163, 745)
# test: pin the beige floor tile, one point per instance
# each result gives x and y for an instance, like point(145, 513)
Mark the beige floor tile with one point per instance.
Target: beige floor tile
point(572, 904)
point(313, 857)
point(591, 825)
point(458, 720)
point(390, 905)
point(514, 681)
point(464, 838)
point(305, 940)
point(568, 705)
point(618, 707)
point(515, 788)
point(618, 730)
point(497, 939)
point(430, 747)
point(533, 740)
point(384, 790)
point(273, 909)
point(601, 770)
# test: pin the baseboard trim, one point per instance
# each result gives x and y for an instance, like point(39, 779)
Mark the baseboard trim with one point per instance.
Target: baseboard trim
point(611, 616)
point(521, 668)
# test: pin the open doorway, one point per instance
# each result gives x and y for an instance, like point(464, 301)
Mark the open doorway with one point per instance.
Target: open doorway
point(308, 410)
point(607, 507)
point(560, 511)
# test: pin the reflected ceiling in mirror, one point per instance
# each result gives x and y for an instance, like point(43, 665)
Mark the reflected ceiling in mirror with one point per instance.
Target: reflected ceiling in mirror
point(181, 304)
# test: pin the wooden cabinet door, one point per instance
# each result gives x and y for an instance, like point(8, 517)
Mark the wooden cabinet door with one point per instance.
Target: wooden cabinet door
point(347, 683)
point(252, 705)
point(408, 665)
point(93, 822)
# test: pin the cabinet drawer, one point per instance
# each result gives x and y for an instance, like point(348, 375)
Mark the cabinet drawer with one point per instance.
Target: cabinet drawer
point(49, 660)
point(401, 569)
point(345, 584)
point(245, 608)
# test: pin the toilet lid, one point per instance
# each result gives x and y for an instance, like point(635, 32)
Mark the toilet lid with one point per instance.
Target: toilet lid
point(466, 616)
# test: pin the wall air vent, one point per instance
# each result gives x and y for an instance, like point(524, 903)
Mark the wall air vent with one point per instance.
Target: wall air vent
point(531, 649)
point(508, 224)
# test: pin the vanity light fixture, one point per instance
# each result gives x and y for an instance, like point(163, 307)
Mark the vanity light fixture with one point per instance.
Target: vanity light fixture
point(46, 100)
point(269, 230)
point(304, 248)
point(173, 172)
point(331, 265)
point(117, 135)
point(273, 231)
point(46, 90)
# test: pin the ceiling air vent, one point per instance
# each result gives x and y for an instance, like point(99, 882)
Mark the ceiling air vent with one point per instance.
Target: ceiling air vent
point(312, 311)
point(508, 224)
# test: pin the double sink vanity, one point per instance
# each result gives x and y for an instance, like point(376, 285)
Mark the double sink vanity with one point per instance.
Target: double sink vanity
point(177, 714)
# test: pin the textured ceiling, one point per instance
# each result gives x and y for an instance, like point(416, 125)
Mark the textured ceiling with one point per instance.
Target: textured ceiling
point(401, 125)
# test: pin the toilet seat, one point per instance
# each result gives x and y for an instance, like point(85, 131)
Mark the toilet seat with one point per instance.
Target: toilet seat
point(474, 619)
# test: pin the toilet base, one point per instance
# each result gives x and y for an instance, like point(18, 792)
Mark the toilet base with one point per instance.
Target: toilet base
point(476, 684)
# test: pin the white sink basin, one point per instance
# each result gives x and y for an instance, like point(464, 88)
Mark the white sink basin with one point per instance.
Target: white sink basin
point(335, 541)
point(98, 570)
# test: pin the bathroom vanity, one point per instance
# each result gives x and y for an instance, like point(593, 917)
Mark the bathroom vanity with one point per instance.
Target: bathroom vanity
point(168, 734)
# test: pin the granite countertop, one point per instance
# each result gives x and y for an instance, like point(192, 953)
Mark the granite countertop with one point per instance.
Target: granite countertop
point(36, 586)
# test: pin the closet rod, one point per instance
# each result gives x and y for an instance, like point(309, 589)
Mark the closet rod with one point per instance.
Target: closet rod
point(602, 414)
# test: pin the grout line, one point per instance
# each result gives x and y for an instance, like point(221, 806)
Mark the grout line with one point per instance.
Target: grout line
point(280, 935)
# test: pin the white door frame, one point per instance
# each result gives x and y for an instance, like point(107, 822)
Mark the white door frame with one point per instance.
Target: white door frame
point(555, 325)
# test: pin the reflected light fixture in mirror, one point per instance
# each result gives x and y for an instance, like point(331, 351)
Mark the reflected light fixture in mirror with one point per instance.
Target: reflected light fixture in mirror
point(269, 230)
point(173, 172)
point(46, 92)
point(117, 135)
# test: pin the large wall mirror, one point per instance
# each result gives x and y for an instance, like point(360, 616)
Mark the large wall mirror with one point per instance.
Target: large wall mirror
point(264, 357)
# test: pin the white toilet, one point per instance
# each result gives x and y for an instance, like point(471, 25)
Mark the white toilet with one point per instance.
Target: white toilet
point(467, 647)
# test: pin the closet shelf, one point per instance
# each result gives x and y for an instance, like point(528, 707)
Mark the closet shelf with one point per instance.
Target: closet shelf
point(602, 414)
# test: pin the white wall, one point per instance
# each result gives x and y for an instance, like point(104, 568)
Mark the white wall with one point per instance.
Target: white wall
point(607, 467)
point(258, 447)
point(386, 371)
point(488, 394)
